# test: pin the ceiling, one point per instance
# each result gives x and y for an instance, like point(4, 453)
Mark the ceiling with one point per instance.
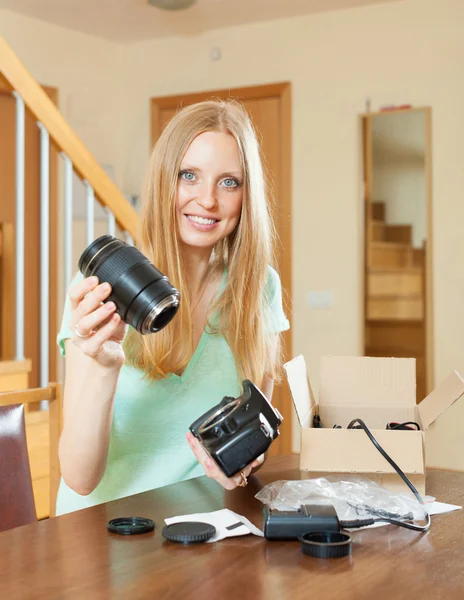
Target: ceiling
point(129, 21)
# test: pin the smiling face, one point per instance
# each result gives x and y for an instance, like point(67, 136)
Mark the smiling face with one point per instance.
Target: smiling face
point(209, 190)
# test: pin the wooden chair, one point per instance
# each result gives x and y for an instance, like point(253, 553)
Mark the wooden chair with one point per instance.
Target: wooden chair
point(18, 458)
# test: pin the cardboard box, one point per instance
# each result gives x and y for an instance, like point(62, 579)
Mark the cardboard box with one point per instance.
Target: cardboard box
point(378, 391)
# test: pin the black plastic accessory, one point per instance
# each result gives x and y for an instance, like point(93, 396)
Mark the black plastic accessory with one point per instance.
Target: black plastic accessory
point(291, 524)
point(130, 525)
point(326, 544)
point(309, 518)
point(188, 532)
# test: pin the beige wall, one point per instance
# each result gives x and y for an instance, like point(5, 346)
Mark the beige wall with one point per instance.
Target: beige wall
point(409, 51)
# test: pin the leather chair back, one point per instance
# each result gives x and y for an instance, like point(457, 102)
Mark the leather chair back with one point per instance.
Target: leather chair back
point(16, 494)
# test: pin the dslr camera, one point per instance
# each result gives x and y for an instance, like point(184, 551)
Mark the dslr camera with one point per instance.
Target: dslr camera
point(238, 430)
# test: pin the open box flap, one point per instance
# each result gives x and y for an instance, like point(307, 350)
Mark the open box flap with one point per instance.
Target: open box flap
point(441, 398)
point(367, 381)
point(302, 395)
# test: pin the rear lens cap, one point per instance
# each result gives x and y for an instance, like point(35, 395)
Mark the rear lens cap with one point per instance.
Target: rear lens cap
point(326, 544)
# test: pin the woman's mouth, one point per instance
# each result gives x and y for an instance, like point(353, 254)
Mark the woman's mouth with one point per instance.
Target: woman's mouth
point(202, 224)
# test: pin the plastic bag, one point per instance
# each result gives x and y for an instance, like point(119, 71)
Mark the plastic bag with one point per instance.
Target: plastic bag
point(352, 497)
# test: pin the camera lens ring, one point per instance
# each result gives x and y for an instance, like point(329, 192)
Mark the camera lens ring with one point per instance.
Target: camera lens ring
point(130, 525)
point(171, 301)
point(87, 268)
point(210, 421)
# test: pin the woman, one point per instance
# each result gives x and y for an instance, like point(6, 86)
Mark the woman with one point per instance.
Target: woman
point(129, 399)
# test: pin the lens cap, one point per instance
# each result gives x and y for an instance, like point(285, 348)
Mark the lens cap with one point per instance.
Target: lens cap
point(189, 532)
point(130, 525)
point(326, 544)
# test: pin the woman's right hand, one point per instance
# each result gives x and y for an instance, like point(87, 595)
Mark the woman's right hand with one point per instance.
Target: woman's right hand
point(97, 330)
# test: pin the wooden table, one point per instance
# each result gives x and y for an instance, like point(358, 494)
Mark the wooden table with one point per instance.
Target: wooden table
point(75, 557)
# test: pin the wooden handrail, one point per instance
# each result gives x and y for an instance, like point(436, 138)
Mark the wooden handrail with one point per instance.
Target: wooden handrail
point(16, 77)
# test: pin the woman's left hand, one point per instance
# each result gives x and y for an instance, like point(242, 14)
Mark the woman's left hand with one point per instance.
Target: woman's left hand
point(213, 471)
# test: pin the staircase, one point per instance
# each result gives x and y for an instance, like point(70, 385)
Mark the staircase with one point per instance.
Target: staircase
point(395, 294)
point(31, 100)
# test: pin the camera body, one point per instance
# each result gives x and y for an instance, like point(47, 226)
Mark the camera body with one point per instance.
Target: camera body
point(291, 524)
point(238, 430)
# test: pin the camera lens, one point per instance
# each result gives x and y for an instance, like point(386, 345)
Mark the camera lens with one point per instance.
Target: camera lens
point(143, 296)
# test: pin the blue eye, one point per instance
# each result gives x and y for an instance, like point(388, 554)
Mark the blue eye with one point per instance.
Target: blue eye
point(187, 176)
point(230, 183)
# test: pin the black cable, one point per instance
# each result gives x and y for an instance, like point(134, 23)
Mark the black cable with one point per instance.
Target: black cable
point(357, 523)
point(380, 512)
point(317, 421)
point(362, 425)
point(396, 426)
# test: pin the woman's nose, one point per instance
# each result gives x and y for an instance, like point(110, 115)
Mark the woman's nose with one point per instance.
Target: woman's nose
point(207, 197)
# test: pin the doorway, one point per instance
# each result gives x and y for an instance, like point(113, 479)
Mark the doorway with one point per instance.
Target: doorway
point(32, 228)
point(398, 289)
point(269, 107)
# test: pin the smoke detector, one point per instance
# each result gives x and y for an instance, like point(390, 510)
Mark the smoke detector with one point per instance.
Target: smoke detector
point(172, 4)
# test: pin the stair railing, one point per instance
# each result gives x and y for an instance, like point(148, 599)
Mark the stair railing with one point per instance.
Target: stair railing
point(77, 159)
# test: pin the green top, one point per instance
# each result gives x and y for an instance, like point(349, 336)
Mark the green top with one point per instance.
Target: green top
point(148, 448)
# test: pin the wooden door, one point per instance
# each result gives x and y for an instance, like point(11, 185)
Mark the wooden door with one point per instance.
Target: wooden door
point(32, 227)
point(269, 107)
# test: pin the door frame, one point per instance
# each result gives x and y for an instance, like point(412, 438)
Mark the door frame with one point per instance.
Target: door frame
point(283, 92)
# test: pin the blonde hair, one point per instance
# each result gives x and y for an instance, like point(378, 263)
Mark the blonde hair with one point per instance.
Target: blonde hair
point(246, 253)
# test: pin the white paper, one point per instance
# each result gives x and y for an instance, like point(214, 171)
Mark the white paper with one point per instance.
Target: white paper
point(226, 522)
point(439, 508)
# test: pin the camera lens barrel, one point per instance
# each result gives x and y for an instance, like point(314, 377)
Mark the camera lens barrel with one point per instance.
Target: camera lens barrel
point(143, 296)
